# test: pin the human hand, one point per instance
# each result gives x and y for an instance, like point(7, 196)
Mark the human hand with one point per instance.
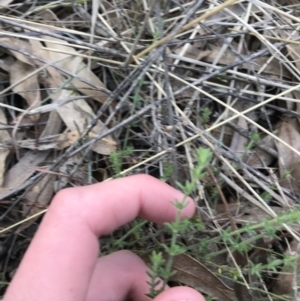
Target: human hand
point(62, 261)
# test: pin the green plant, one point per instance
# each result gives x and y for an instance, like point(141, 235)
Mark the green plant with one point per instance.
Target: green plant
point(168, 171)
point(136, 102)
point(164, 252)
point(205, 115)
point(254, 138)
point(161, 266)
point(116, 159)
point(266, 196)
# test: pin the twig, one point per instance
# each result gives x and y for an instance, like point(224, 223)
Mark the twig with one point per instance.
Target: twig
point(186, 27)
point(61, 37)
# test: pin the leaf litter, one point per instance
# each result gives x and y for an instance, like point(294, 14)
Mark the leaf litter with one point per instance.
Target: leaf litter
point(78, 105)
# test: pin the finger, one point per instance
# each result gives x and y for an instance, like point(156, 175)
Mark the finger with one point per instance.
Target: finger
point(119, 276)
point(126, 279)
point(180, 293)
point(63, 254)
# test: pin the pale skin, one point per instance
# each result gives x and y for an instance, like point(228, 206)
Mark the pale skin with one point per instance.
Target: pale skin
point(62, 261)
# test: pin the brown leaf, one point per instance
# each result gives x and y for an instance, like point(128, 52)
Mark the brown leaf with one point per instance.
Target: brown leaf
point(293, 51)
point(259, 158)
point(4, 151)
point(238, 142)
point(193, 52)
point(57, 142)
point(64, 140)
point(22, 45)
point(25, 168)
point(37, 199)
point(106, 146)
point(285, 281)
point(77, 114)
point(288, 160)
point(29, 87)
point(192, 273)
point(296, 95)
point(70, 167)
point(48, 17)
point(110, 12)
point(5, 3)
point(42, 192)
point(274, 67)
point(20, 172)
point(68, 60)
point(241, 291)
point(257, 215)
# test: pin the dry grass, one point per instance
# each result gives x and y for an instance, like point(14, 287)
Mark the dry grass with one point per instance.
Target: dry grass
point(130, 87)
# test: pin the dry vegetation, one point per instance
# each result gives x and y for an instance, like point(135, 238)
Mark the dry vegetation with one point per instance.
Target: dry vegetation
point(93, 90)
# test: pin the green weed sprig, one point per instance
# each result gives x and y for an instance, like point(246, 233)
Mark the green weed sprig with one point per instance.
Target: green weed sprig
point(161, 267)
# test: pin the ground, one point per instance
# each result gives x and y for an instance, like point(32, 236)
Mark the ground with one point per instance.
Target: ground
point(200, 94)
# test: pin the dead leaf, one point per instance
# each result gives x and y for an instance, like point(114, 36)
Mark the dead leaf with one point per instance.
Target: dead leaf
point(235, 9)
point(239, 142)
point(4, 151)
point(70, 168)
point(77, 114)
point(48, 17)
point(193, 52)
point(28, 88)
point(285, 281)
point(17, 175)
point(288, 161)
point(41, 194)
point(259, 158)
point(106, 146)
point(110, 12)
point(257, 215)
point(63, 141)
point(5, 3)
point(73, 63)
point(37, 199)
point(194, 274)
point(242, 292)
point(296, 95)
point(22, 45)
point(66, 139)
point(274, 67)
point(25, 168)
point(57, 142)
point(293, 49)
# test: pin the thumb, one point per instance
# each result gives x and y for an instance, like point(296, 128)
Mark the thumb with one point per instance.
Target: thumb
point(179, 293)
